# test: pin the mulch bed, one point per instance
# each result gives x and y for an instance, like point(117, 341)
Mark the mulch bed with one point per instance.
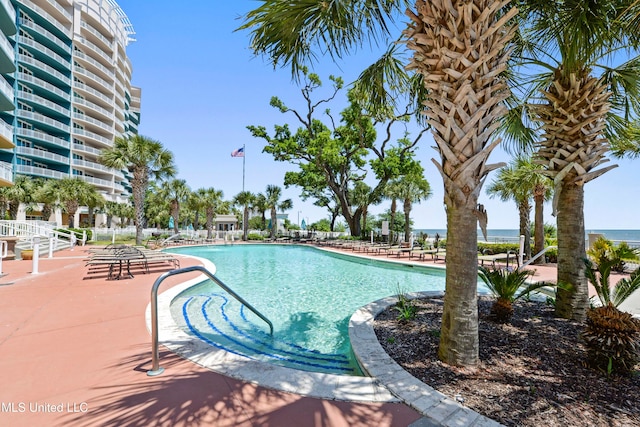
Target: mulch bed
point(532, 371)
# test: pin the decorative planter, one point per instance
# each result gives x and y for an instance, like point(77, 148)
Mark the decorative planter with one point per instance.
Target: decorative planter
point(27, 254)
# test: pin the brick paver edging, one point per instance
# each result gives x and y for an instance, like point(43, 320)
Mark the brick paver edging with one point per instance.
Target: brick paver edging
point(437, 408)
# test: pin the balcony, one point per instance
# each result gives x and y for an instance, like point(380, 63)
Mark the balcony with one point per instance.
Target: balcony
point(40, 136)
point(43, 102)
point(7, 18)
point(97, 35)
point(81, 148)
point(56, 8)
point(91, 91)
point(95, 49)
point(44, 52)
point(7, 56)
point(43, 85)
point(108, 87)
point(92, 165)
point(6, 135)
point(43, 155)
point(48, 17)
point(6, 95)
point(108, 115)
point(6, 174)
point(96, 66)
point(92, 136)
point(38, 171)
point(49, 70)
point(92, 121)
point(45, 34)
point(43, 120)
point(96, 181)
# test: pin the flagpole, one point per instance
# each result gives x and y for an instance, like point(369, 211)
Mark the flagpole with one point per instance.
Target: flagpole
point(243, 162)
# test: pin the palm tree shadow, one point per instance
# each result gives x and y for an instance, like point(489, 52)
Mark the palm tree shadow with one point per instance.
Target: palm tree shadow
point(188, 395)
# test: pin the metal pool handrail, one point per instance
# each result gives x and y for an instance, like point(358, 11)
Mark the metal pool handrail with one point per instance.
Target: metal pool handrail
point(155, 367)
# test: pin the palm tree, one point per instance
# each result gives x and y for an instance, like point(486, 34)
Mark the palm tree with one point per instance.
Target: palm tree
point(392, 192)
point(45, 193)
point(413, 189)
point(360, 197)
point(176, 192)
point(211, 198)
point(523, 180)
point(145, 158)
point(21, 191)
point(274, 204)
point(244, 199)
point(459, 55)
point(583, 103)
point(73, 193)
point(260, 204)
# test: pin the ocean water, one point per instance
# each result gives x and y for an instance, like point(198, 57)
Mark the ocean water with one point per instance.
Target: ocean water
point(511, 235)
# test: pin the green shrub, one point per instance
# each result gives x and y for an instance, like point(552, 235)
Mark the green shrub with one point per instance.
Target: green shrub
point(498, 248)
point(604, 250)
point(407, 311)
point(552, 255)
point(255, 236)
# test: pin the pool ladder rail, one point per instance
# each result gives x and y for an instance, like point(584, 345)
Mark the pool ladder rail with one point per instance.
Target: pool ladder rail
point(155, 356)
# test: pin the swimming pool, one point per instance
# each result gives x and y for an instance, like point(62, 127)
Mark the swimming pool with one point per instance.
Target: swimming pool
point(307, 293)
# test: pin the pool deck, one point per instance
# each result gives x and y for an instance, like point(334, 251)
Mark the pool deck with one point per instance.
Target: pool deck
point(75, 351)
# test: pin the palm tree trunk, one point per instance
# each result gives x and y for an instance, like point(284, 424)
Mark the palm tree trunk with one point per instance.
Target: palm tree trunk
point(525, 227)
point(392, 219)
point(209, 224)
point(571, 304)
point(138, 206)
point(245, 224)
point(407, 219)
point(274, 223)
point(539, 227)
point(459, 335)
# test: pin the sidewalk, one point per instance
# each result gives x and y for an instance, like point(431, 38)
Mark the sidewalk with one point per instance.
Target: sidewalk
point(75, 352)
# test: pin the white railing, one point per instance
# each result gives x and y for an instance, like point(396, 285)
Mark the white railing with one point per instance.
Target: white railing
point(44, 85)
point(36, 134)
point(42, 154)
point(48, 34)
point(27, 230)
point(6, 171)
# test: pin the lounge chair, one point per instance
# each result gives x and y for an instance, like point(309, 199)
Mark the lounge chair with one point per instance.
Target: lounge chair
point(493, 258)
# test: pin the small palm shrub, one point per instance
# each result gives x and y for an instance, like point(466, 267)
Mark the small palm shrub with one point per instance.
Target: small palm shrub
point(507, 286)
point(612, 337)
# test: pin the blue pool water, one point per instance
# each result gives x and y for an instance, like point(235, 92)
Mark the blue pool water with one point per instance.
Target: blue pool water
point(308, 294)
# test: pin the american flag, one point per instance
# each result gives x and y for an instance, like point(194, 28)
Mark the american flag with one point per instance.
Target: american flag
point(238, 153)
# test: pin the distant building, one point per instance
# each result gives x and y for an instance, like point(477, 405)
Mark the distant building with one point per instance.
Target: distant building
point(65, 91)
point(226, 223)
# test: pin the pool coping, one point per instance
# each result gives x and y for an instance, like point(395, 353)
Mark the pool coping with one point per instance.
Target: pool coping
point(310, 384)
point(374, 361)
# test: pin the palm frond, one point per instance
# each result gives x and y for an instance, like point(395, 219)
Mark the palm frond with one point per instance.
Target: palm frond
point(293, 33)
point(382, 83)
point(625, 287)
point(600, 280)
point(503, 283)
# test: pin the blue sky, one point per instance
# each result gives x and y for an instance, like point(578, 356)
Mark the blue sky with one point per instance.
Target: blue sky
point(201, 87)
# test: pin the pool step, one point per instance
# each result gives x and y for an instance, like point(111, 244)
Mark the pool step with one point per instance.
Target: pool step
point(225, 323)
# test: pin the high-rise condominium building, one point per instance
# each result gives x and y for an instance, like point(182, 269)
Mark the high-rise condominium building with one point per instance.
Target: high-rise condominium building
point(65, 90)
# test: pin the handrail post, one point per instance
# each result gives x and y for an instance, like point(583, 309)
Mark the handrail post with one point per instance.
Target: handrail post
point(155, 356)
